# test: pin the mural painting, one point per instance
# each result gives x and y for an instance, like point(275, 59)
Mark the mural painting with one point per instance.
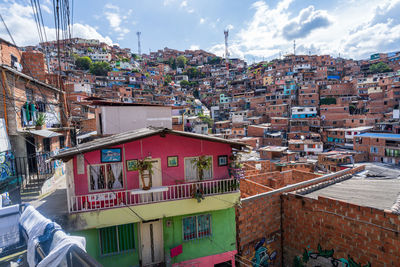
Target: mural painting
point(7, 168)
point(264, 254)
point(324, 257)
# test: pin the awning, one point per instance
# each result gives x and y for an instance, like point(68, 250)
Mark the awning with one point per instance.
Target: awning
point(45, 133)
point(86, 135)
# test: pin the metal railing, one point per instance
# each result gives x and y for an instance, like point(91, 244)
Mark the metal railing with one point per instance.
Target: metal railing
point(113, 199)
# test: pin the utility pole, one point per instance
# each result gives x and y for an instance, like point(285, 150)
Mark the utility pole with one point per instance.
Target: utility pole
point(138, 41)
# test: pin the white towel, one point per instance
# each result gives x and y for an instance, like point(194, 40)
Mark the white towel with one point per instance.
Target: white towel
point(59, 247)
point(35, 224)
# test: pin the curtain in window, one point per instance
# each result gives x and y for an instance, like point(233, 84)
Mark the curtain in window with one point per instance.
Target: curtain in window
point(117, 171)
point(94, 176)
point(207, 174)
point(189, 228)
point(203, 225)
point(190, 170)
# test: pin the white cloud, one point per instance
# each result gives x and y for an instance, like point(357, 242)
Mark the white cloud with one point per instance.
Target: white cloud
point(194, 47)
point(230, 27)
point(353, 29)
point(21, 23)
point(202, 20)
point(184, 3)
point(115, 18)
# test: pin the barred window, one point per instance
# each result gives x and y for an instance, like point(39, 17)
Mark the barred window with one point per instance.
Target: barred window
point(196, 227)
point(117, 239)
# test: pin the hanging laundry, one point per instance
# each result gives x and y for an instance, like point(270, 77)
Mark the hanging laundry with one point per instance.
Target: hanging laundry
point(28, 115)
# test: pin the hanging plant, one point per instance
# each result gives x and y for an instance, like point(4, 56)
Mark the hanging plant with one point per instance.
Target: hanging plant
point(197, 193)
point(143, 166)
point(202, 163)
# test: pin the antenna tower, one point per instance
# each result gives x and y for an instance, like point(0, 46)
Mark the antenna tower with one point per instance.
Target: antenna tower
point(294, 47)
point(226, 33)
point(138, 43)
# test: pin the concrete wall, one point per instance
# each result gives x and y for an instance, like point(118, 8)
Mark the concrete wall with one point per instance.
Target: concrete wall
point(118, 119)
point(222, 239)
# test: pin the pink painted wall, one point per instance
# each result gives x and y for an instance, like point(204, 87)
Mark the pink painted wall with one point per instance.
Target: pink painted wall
point(157, 147)
point(209, 260)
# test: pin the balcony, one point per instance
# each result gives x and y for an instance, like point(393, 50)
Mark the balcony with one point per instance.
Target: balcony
point(135, 197)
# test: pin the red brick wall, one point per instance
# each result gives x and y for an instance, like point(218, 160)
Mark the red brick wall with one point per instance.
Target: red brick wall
point(250, 188)
point(365, 234)
point(259, 217)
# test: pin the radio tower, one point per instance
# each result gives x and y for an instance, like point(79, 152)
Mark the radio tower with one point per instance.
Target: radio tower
point(226, 33)
point(138, 43)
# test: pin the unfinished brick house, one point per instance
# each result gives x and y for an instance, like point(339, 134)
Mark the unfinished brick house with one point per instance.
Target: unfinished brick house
point(24, 100)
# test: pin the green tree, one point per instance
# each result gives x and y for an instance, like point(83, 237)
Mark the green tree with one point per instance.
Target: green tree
point(100, 68)
point(208, 120)
point(90, 50)
point(83, 63)
point(104, 50)
point(379, 68)
point(194, 73)
point(196, 94)
point(181, 61)
point(215, 61)
point(184, 83)
point(167, 80)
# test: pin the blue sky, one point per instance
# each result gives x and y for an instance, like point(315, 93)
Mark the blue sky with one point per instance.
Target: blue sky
point(258, 29)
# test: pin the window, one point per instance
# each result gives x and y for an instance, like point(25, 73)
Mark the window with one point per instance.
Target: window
point(62, 141)
point(117, 239)
point(374, 149)
point(46, 144)
point(196, 227)
point(191, 173)
point(105, 176)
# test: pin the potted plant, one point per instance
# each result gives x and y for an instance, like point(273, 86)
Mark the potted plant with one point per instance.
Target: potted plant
point(40, 122)
point(145, 168)
point(202, 163)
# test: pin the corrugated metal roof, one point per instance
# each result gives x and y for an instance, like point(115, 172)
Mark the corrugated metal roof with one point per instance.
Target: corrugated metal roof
point(379, 135)
point(121, 138)
point(45, 133)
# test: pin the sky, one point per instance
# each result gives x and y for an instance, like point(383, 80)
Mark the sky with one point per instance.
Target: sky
point(258, 30)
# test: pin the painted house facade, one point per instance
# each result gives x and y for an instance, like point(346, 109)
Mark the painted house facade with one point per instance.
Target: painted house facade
point(180, 220)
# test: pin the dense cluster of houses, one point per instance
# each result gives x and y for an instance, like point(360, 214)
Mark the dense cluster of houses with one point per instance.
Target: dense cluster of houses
point(184, 158)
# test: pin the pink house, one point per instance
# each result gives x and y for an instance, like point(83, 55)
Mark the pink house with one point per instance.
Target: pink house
point(162, 212)
point(104, 172)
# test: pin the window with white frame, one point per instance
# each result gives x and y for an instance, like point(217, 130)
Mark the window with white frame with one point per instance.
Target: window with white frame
point(191, 172)
point(196, 227)
point(105, 176)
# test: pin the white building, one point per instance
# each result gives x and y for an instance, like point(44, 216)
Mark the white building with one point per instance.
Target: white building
point(303, 112)
point(100, 56)
point(350, 133)
point(113, 118)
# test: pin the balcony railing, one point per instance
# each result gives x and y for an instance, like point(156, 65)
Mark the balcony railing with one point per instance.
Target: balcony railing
point(114, 199)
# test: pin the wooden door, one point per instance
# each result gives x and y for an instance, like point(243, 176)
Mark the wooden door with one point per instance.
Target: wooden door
point(152, 244)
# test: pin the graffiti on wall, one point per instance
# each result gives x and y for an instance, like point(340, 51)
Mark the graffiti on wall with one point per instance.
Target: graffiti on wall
point(324, 257)
point(7, 168)
point(264, 254)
